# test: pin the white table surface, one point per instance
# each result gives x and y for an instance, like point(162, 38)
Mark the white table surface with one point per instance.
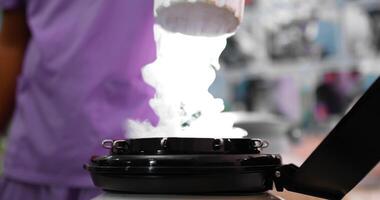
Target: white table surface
point(113, 196)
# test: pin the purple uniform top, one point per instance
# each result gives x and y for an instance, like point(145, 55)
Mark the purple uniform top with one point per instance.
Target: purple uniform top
point(81, 80)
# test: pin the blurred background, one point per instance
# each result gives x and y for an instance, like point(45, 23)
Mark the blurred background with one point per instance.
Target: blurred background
point(294, 68)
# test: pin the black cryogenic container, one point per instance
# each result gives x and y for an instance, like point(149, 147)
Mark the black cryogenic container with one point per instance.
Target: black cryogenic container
point(185, 166)
point(220, 166)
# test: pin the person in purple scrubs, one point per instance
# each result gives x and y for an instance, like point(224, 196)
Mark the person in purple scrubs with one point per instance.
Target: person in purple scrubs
point(70, 75)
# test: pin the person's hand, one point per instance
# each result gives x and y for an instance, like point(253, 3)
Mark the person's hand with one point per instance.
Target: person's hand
point(14, 37)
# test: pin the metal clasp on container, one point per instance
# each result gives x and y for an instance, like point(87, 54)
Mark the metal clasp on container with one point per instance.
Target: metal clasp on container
point(259, 143)
point(118, 144)
point(107, 144)
point(218, 144)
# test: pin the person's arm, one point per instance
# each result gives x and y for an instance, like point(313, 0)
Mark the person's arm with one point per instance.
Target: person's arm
point(14, 36)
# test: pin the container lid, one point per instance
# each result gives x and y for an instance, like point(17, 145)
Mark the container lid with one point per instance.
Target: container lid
point(169, 146)
point(183, 156)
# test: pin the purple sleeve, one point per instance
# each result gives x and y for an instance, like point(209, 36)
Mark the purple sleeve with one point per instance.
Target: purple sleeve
point(10, 4)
